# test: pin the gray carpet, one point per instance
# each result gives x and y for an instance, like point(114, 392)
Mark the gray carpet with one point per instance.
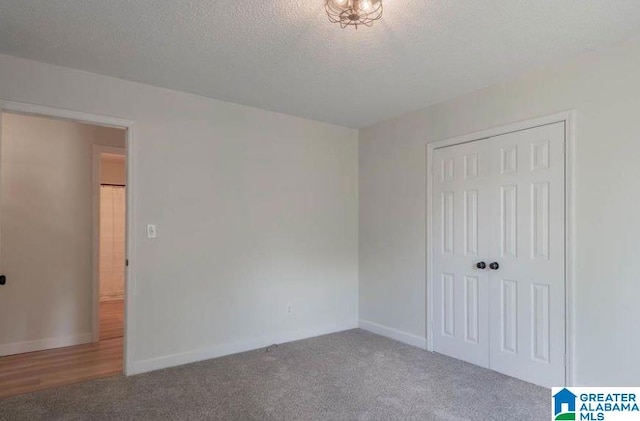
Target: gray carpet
point(353, 375)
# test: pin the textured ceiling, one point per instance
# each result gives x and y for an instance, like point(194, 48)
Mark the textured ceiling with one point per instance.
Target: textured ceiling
point(285, 55)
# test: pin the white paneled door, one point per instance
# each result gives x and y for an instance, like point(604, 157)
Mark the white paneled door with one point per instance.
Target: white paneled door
point(498, 248)
point(461, 241)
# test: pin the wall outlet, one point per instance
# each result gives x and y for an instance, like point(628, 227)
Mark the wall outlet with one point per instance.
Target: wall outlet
point(152, 231)
point(289, 310)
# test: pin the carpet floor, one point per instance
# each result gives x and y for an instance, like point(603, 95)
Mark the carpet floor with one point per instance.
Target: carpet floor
point(352, 375)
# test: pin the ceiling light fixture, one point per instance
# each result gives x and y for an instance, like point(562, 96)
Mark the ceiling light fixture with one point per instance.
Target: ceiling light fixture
point(353, 12)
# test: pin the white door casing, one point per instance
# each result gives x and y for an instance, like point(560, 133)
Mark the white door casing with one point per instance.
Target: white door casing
point(501, 200)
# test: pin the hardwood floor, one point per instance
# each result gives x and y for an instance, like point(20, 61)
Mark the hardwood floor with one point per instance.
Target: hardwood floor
point(33, 371)
point(111, 319)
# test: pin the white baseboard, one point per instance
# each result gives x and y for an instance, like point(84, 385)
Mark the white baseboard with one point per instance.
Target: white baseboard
point(42, 344)
point(392, 333)
point(216, 351)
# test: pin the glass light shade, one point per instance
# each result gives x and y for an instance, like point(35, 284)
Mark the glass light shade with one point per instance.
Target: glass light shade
point(353, 12)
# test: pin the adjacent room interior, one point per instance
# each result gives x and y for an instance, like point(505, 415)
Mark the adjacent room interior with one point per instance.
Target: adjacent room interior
point(318, 210)
point(112, 241)
point(62, 236)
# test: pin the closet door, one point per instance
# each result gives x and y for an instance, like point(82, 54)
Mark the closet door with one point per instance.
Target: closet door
point(527, 271)
point(460, 245)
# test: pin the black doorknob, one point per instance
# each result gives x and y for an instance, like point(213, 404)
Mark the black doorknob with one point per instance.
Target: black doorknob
point(481, 265)
point(3, 279)
point(494, 266)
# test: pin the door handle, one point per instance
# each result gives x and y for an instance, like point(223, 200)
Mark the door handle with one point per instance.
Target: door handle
point(481, 265)
point(494, 266)
point(3, 279)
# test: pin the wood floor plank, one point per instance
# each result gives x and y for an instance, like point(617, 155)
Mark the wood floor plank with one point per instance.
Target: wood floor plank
point(24, 373)
point(111, 319)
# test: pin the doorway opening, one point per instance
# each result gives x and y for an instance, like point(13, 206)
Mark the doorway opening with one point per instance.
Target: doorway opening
point(62, 251)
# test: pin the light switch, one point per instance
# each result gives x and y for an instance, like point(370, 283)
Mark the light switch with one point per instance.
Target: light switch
point(152, 231)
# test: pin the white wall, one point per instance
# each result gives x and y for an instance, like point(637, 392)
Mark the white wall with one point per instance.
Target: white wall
point(46, 230)
point(604, 89)
point(255, 211)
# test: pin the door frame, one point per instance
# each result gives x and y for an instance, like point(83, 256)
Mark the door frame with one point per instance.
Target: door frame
point(568, 117)
point(130, 239)
point(97, 152)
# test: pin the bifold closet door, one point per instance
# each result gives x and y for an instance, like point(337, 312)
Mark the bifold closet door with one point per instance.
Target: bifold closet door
point(527, 241)
point(460, 245)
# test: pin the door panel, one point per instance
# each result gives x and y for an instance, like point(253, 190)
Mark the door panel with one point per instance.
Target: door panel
point(460, 238)
point(527, 241)
point(501, 200)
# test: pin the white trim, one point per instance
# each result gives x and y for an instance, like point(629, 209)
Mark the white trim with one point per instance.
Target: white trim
point(428, 249)
point(568, 117)
point(570, 249)
point(216, 351)
point(41, 344)
point(41, 110)
point(130, 252)
point(98, 150)
point(101, 120)
point(392, 333)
